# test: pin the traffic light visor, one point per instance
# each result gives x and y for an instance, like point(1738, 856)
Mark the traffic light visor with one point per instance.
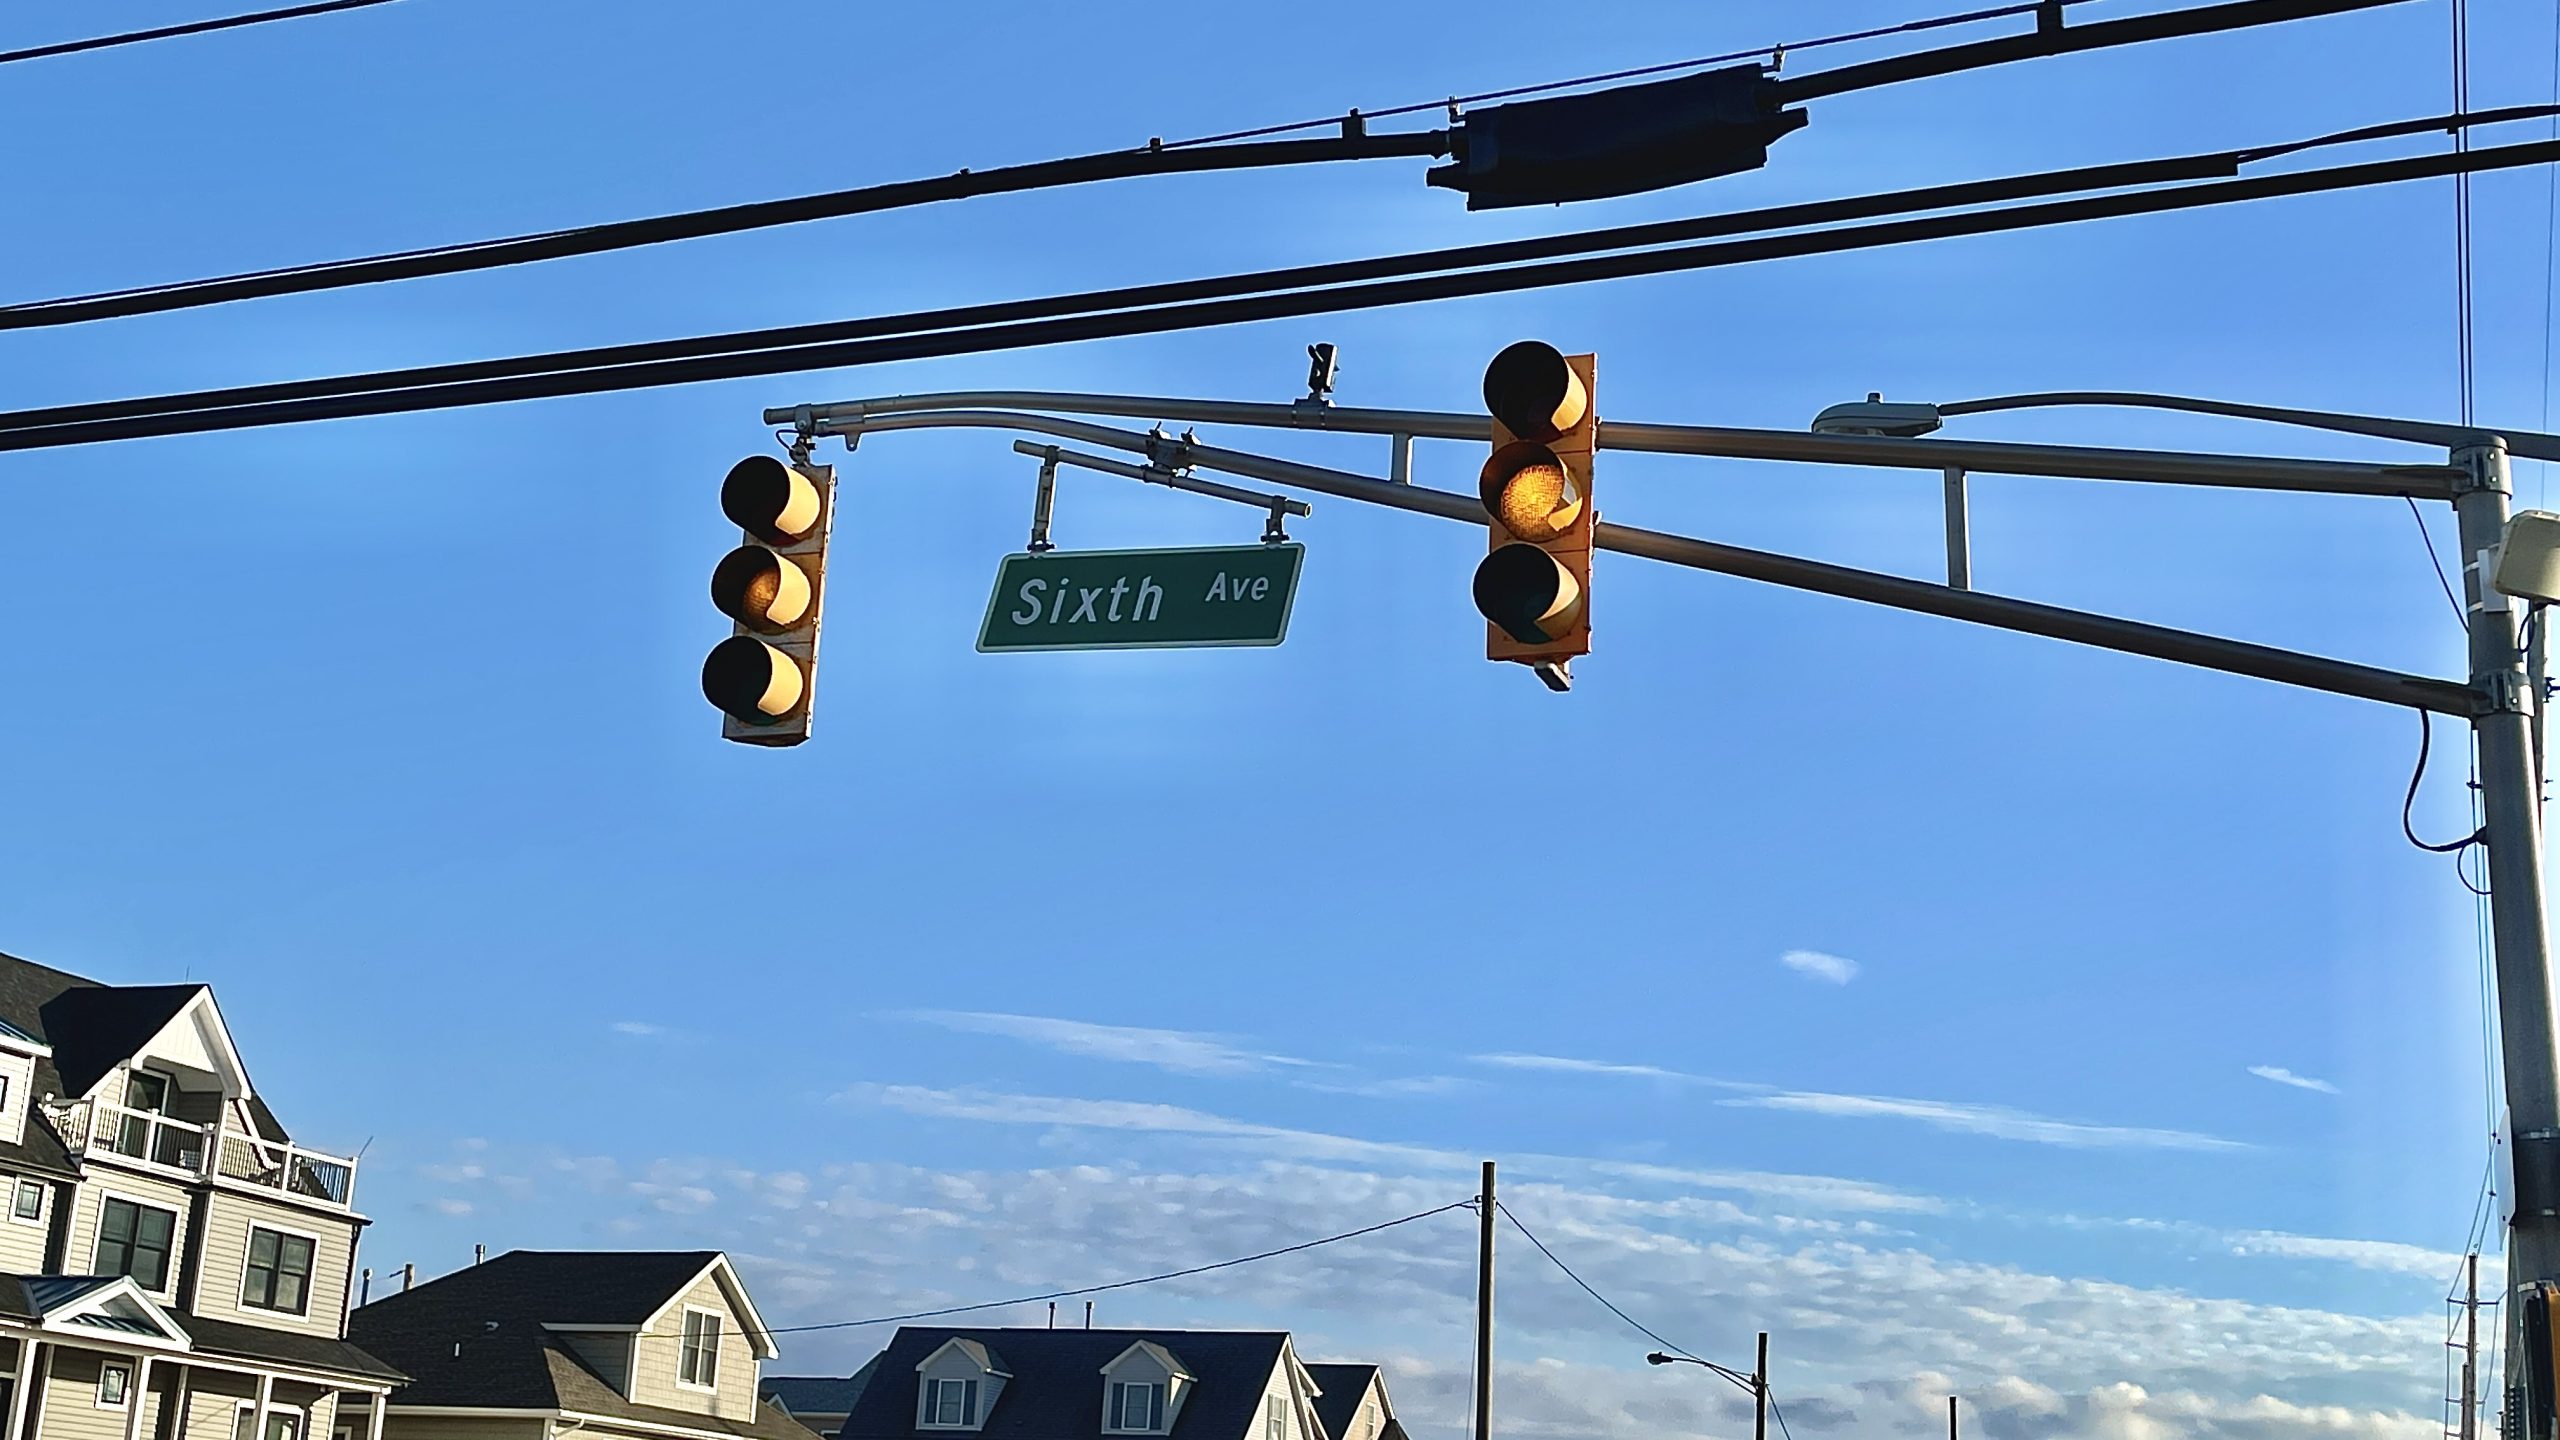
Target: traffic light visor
point(1533, 392)
point(770, 500)
point(1529, 492)
point(760, 590)
point(1527, 594)
point(752, 682)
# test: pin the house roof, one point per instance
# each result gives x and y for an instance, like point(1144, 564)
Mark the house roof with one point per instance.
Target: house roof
point(255, 1342)
point(479, 1337)
point(818, 1394)
point(1341, 1387)
point(1056, 1389)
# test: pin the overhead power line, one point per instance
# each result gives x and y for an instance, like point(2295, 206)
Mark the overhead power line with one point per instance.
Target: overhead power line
point(1153, 159)
point(1611, 1306)
point(397, 392)
point(625, 360)
point(195, 27)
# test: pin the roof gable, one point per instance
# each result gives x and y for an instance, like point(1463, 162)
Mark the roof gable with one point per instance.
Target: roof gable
point(733, 1290)
point(974, 1351)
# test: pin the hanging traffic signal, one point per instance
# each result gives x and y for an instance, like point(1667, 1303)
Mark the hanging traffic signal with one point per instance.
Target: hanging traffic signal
point(762, 677)
point(1535, 583)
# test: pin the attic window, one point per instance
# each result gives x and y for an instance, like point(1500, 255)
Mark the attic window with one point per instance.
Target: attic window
point(698, 1357)
point(1137, 1408)
point(951, 1404)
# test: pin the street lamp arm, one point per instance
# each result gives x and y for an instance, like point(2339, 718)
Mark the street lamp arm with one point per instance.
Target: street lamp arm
point(2528, 443)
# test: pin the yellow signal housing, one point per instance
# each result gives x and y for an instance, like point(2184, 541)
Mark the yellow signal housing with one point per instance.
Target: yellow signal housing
point(1534, 585)
point(772, 586)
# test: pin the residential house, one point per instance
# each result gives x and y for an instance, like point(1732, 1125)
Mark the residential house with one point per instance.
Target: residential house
point(173, 1265)
point(818, 1401)
point(613, 1345)
point(934, 1383)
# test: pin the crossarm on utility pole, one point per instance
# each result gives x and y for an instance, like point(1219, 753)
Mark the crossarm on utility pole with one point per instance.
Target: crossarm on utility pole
point(2132, 637)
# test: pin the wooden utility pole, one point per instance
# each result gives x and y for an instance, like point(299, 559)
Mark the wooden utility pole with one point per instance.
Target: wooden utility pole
point(2471, 1350)
point(1484, 1307)
point(1760, 1392)
point(1951, 1417)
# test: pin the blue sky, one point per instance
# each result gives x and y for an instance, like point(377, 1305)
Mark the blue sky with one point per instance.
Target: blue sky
point(1034, 971)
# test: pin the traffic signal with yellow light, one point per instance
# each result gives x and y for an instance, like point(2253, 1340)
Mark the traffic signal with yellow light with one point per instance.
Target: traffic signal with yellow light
point(1534, 586)
point(772, 586)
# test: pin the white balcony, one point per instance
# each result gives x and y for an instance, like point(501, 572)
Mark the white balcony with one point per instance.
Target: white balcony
point(201, 1152)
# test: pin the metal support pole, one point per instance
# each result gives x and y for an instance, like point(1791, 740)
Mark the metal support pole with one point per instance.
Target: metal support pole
point(1484, 1307)
point(1760, 1392)
point(1951, 1417)
point(2471, 1350)
point(2512, 828)
point(1959, 540)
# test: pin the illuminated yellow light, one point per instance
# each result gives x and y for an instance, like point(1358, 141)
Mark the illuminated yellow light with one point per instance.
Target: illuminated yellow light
point(1529, 492)
point(756, 587)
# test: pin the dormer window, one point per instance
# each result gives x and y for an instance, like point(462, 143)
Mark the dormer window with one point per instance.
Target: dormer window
point(951, 1404)
point(1137, 1408)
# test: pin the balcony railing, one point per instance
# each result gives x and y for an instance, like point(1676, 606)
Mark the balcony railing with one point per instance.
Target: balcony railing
point(202, 1152)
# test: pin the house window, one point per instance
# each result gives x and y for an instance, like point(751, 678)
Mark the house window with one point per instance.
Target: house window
point(698, 1358)
point(1275, 1418)
point(279, 1275)
point(134, 1240)
point(1137, 1407)
point(28, 1202)
point(951, 1402)
point(115, 1386)
point(282, 1424)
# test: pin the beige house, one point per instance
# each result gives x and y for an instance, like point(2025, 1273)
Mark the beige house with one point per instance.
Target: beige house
point(173, 1266)
point(613, 1345)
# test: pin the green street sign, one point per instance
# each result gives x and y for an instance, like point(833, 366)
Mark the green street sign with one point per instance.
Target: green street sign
point(1142, 599)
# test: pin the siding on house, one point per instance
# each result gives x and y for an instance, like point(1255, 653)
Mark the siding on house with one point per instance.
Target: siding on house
point(22, 1245)
point(734, 1398)
point(71, 1397)
point(229, 1218)
point(79, 1256)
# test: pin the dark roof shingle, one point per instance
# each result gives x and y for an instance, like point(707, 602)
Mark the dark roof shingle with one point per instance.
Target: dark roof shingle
point(1056, 1389)
point(1340, 1387)
point(819, 1394)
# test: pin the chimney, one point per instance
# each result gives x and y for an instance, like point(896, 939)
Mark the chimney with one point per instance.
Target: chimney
point(408, 1276)
point(364, 1290)
point(1088, 1314)
point(479, 1253)
point(1053, 1314)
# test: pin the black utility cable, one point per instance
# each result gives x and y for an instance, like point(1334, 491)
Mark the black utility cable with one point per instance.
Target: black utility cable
point(693, 225)
point(1610, 1305)
point(396, 392)
point(1119, 164)
point(193, 27)
point(1230, 287)
point(2408, 803)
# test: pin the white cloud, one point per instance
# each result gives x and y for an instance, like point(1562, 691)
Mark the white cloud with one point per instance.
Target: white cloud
point(1184, 1052)
point(1568, 1065)
point(2282, 1076)
point(640, 1029)
point(1997, 1121)
point(448, 1205)
point(2385, 1255)
point(1836, 969)
point(1877, 1331)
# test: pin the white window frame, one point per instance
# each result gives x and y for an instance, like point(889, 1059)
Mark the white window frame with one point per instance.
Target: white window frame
point(683, 1329)
point(1117, 1400)
point(177, 1238)
point(249, 1235)
point(301, 1417)
point(966, 1387)
point(1275, 1418)
point(125, 1392)
point(19, 1189)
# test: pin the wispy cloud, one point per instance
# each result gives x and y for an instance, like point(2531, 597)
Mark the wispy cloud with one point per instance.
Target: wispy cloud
point(1184, 1052)
point(2282, 1076)
point(1836, 969)
point(2385, 1255)
point(1568, 1065)
point(2000, 1122)
point(641, 1030)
